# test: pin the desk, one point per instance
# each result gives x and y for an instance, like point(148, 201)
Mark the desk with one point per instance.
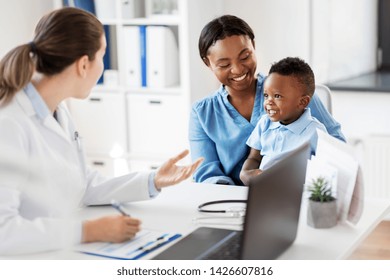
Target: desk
point(174, 209)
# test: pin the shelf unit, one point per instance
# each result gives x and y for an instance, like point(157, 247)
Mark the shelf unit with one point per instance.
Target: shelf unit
point(145, 126)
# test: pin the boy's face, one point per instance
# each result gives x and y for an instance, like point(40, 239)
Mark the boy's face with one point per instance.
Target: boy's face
point(284, 98)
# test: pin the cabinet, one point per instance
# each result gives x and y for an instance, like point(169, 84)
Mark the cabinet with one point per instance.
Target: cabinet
point(156, 125)
point(95, 117)
point(145, 122)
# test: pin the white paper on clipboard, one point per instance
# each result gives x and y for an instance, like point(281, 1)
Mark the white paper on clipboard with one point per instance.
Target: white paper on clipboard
point(336, 161)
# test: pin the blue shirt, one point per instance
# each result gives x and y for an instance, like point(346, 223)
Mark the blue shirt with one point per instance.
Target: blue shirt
point(218, 132)
point(275, 140)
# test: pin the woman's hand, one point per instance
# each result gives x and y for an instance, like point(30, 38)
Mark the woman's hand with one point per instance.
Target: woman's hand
point(115, 229)
point(170, 174)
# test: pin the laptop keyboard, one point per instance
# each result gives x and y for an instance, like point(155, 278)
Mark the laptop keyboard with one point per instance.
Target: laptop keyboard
point(230, 250)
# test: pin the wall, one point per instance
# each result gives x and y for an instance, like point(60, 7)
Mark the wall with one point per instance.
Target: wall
point(17, 21)
point(344, 38)
point(338, 38)
point(202, 80)
point(281, 27)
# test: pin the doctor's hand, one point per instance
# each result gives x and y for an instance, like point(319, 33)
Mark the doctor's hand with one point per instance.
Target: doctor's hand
point(170, 174)
point(115, 229)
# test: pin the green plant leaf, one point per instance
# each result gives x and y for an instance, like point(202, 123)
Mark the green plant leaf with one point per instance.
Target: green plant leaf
point(320, 190)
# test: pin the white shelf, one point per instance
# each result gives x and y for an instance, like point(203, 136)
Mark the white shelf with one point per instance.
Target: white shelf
point(155, 119)
point(162, 91)
point(163, 20)
point(104, 89)
point(101, 88)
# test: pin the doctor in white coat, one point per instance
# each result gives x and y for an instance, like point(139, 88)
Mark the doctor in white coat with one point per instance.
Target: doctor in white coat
point(43, 175)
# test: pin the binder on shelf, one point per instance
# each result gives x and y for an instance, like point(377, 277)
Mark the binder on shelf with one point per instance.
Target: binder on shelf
point(160, 8)
point(151, 57)
point(107, 55)
point(133, 9)
point(144, 53)
point(162, 69)
point(88, 5)
point(105, 9)
point(134, 56)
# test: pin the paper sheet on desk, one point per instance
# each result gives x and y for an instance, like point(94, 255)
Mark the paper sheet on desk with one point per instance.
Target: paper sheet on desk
point(143, 243)
point(219, 220)
point(336, 162)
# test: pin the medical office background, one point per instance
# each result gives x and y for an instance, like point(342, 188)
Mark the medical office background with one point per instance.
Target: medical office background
point(126, 127)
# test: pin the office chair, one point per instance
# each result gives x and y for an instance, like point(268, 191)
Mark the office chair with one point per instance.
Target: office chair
point(323, 92)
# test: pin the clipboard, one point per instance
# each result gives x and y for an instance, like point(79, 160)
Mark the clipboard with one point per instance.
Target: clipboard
point(337, 162)
point(142, 244)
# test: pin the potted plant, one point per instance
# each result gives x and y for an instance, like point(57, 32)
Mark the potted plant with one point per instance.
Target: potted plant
point(322, 208)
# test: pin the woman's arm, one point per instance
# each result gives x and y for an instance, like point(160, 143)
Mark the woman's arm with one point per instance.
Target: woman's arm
point(210, 171)
point(22, 235)
point(319, 111)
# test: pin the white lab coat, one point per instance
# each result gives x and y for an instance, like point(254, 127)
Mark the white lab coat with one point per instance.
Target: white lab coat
point(44, 179)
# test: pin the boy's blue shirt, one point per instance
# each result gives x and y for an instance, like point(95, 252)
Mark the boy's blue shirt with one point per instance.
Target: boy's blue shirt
point(218, 132)
point(274, 140)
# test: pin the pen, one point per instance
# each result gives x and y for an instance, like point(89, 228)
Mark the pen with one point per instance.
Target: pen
point(152, 245)
point(119, 207)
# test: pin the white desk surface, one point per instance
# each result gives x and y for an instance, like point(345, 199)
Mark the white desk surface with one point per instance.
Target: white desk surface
point(174, 209)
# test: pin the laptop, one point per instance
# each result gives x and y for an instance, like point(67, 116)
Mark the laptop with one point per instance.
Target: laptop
point(271, 220)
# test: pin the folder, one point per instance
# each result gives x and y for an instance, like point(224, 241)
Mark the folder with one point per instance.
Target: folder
point(133, 37)
point(151, 57)
point(105, 9)
point(132, 9)
point(88, 5)
point(107, 55)
point(142, 244)
point(162, 57)
point(143, 53)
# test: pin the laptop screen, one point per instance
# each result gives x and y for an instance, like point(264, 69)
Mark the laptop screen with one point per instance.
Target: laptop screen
point(274, 202)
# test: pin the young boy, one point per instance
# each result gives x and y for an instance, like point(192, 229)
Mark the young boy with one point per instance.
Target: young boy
point(288, 123)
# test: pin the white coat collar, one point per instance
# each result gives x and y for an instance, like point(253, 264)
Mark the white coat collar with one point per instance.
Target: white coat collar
point(34, 106)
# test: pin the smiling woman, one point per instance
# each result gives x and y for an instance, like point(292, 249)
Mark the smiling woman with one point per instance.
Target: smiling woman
point(221, 123)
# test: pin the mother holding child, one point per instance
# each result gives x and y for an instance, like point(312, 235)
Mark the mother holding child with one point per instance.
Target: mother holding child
point(220, 124)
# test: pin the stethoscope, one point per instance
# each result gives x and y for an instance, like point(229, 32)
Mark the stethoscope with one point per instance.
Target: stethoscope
point(233, 212)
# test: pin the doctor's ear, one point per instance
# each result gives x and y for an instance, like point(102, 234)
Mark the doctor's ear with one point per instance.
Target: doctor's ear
point(82, 65)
